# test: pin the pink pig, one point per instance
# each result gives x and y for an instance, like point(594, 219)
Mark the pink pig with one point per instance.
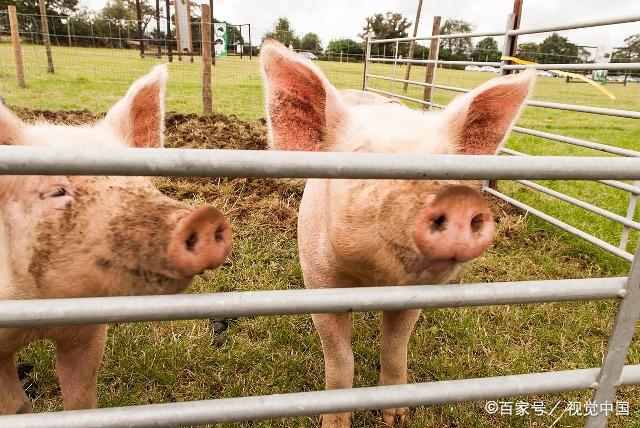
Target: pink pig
point(94, 236)
point(355, 233)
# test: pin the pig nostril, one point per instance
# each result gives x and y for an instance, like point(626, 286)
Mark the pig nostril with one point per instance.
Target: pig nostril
point(219, 235)
point(438, 224)
point(477, 222)
point(192, 240)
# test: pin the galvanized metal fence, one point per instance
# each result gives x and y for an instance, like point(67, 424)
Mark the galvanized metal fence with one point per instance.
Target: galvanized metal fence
point(216, 163)
point(509, 36)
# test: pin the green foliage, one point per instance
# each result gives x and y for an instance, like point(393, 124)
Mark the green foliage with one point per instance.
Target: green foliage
point(388, 26)
point(556, 49)
point(630, 52)
point(528, 51)
point(284, 33)
point(311, 42)
point(486, 50)
point(456, 49)
point(346, 46)
point(53, 7)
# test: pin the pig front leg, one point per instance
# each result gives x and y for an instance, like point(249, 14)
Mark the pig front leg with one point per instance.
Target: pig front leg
point(12, 397)
point(335, 334)
point(79, 352)
point(396, 330)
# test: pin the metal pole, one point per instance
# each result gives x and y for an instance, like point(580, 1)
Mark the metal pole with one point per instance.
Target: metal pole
point(367, 54)
point(621, 335)
point(517, 11)
point(631, 211)
point(427, 94)
point(69, 30)
point(140, 38)
point(250, 44)
point(213, 50)
point(169, 41)
point(412, 46)
point(45, 35)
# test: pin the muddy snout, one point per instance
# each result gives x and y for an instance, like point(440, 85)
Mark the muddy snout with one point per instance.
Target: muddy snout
point(200, 241)
point(455, 227)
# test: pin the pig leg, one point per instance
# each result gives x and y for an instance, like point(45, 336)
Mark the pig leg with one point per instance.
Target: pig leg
point(12, 397)
point(335, 334)
point(78, 357)
point(396, 330)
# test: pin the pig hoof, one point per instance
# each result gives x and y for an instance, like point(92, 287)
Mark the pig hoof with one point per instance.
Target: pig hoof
point(395, 417)
point(336, 420)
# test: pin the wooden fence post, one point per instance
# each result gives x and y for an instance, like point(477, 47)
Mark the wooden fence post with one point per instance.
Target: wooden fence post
point(205, 36)
point(433, 55)
point(45, 36)
point(412, 46)
point(15, 41)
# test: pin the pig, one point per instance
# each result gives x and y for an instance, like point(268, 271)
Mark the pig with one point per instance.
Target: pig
point(85, 236)
point(354, 233)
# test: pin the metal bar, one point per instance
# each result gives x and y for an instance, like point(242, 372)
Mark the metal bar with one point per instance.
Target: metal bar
point(624, 327)
point(583, 24)
point(562, 225)
point(440, 36)
point(367, 54)
point(589, 66)
point(577, 142)
point(431, 61)
point(615, 184)
point(631, 211)
point(544, 104)
point(584, 205)
point(586, 109)
point(25, 160)
point(49, 312)
point(403, 97)
point(319, 402)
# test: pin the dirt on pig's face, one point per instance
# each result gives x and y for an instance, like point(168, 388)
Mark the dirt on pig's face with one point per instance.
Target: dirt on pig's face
point(90, 236)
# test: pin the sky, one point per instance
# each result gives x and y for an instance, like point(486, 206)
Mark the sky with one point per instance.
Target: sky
point(332, 19)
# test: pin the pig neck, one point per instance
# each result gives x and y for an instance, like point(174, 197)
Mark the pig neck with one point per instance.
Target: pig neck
point(7, 290)
point(322, 267)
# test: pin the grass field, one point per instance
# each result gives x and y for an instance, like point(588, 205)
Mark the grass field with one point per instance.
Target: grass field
point(177, 361)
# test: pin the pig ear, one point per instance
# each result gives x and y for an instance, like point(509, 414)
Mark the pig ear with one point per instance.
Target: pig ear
point(479, 121)
point(138, 118)
point(10, 127)
point(304, 111)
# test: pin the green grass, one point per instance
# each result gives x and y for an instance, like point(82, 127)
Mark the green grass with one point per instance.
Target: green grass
point(179, 361)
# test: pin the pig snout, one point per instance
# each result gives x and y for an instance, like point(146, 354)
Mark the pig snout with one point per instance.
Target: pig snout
point(201, 240)
point(455, 227)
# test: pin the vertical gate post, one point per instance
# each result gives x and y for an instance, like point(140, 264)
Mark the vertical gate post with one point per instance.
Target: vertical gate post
point(140, 35)
point(620, 338)
point(412, 46)
point(15, 41)
point(367, 55)
point(169, 41)
point(433, 56)
point(631, 210)
point(159, 52)
point(45, 36)
point(205, 33)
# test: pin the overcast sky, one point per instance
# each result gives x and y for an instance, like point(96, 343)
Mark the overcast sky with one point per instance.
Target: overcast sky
point(332, 19)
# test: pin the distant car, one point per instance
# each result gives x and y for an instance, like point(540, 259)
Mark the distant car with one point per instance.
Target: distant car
point(489, 69)
point(308, 55)
point(633, 79)
point(544, 73)
point(472, 68)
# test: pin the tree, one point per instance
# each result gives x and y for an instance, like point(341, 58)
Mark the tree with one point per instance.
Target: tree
point(557, 49)
point(391, 25)
point(283, 33)
point(53, 7)
point(630, 52)
point(311, 42)
point(528, 51)
point(347, 46)
point(459, 48)
point(486, 50)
